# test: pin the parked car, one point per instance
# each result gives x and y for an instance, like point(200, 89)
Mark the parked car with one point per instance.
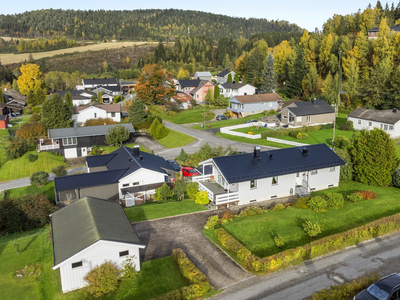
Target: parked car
point(174, 164)
point(189, 172)
point(384, 289)
point(221, 118)
point(251, 121)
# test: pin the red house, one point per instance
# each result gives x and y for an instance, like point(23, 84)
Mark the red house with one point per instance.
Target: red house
point(4, 122)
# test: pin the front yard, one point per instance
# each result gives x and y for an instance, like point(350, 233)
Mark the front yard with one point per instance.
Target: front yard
point(176, 139)
point(186, 116)
point(230, 122)
point(47, 190)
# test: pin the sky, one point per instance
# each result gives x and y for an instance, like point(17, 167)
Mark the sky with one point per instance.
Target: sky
point(308, 14)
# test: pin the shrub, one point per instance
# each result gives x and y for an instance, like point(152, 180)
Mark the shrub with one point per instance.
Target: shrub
point(171, 113)
point(279, 207)
point(161, 132)
point(342, 142)
point(312, 229)
point(272, 111)
point(227, 215)
point(327, 126)
point(367, 195)
point(294, 133)
point(192, 188)
point(102, 279)
point(117, 99)
point(251, 211)
point(278, 239)
point(301, 202)
point(59, 171)
point(211, 222)
point(142, 125)
point(304, 135)
point(354, 198)
point(40, 178)
point(34, 118)
point(317, 204)
point(129, 269)
point(16, 147)
point(32, 157)
point(343, 127)
point(396, 178)
point(298, 136)
point(202, 198)
point(349, 125)
point(96, 150)
point(335, 200)
point(163, 193)
point(31, 131)
point(99, 121)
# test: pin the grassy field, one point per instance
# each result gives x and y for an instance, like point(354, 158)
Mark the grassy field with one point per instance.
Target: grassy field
point(262, 142)
point(21, 167)
point(16, 58)
point(230, 122)
point(186, 116)
point(47, 190)
point(152, 211)
point(257, 232)
point(156, 278)
point(176, 139)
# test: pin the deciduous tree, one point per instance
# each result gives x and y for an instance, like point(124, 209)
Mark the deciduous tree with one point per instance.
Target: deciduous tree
point(117, 135)
point(31, 79)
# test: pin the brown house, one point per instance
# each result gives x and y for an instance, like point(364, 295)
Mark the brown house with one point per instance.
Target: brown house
point(307, 113)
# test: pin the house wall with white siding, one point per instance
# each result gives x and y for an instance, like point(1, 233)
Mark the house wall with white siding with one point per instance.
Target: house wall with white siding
point(94, 112)
point(80, 102)
point(244, 90)
point(360, 124)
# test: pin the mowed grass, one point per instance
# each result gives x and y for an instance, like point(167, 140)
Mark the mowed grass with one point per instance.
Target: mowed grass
point(262, 142)
point(47, 190)
point(176, 139)
point(109, 149)
point(186, 116)
point(156, 277)
point(4, 136)
point(319, 136)
point(21, 167)
point(230, 122)
point(152, 211)
point(257, 232)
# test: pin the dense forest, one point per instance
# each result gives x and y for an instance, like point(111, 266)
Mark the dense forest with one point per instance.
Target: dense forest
point(155, 24)
point(36, 45)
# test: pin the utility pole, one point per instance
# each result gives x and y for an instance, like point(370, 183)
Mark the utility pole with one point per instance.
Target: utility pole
point(338, 98)
point(204, 113)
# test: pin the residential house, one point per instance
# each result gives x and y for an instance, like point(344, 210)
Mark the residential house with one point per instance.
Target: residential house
point(108, 92)
point(127, 86)
point(232, 89)
point(12, 97)
point(203, 76)
point(186, 86)
point(86, 234)
point(126, 174)
point(373, 33)
point(95, 82)
point(80, 97)
point(183, 98)
point(222, 76)
point(199, 93)
point(307, 113)
point(387, 120)
point(267, 175)
point(95, 110)
point(77, 141)
point(10, 109)
point(4, 121)
point(242, 106)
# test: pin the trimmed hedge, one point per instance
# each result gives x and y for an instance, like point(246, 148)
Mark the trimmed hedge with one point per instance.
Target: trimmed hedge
point(312, 250)
point(292, 132)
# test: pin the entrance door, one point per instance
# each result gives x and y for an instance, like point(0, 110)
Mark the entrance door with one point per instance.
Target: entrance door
point(84, 151)
point(300, 177)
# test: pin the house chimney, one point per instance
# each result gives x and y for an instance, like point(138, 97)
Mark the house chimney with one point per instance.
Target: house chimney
point(304, 151)
point(141, 157)
point(394, 110)
point(257, 152)
point(136, 150)
point(313, 101)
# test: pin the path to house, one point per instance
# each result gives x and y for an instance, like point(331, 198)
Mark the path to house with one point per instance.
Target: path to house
point(380, 255)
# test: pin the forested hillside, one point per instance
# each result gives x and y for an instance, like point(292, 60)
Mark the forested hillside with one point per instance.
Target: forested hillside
point(136, 24)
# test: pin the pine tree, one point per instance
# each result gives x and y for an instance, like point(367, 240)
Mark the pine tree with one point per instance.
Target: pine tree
point(297, 75)
point(216, 91)
point(236, 77)
point(137, 114)
point(229, 77)
point(269, 82)
point(1, 96)
point(55, 113)
point(182, 155)
point(68, 99)
point(99, 97)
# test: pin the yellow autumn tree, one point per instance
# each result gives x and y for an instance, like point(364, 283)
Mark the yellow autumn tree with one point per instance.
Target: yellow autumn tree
point(382, 46)
point(307, 43)
point(183, 74)
point(325, 54)
point(31, 79)
point(283, 55)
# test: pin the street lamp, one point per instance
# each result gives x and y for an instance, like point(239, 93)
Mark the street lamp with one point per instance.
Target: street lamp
point(338, 99)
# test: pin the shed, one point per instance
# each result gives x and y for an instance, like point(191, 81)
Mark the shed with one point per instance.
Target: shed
point(4, 121)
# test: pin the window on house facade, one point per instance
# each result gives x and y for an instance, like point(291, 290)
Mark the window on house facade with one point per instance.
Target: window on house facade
point(253, 184)
point(245, 94)
point(113, 115)
point(369, 123)
point(386, 127)
point(381, 126)
point(124, 253)
point(314, 172)
point(332, 169)
point(391, 127)
point(69, 141)
point(298, 119)
point(270, 104)
point(275, 180)
point(221, 91)
point(308, 119)
point(263, 103)
point(77, 264)
point(125, 185)
point(359, 122)
point(285, 117)
point(297, 174)
point(291, 117)
point(135, 183)
point(95, 115)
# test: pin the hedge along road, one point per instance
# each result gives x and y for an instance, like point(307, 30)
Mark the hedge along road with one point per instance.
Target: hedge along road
point(378, 255)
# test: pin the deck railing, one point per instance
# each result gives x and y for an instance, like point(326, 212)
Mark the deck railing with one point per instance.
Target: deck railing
point(226, 198)
point(49, 147)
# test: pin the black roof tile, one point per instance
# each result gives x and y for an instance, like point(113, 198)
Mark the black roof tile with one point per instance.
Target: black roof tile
point(311, 108)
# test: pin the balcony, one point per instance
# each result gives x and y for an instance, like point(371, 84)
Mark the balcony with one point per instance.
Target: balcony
point(217, 194)
point(47, 144)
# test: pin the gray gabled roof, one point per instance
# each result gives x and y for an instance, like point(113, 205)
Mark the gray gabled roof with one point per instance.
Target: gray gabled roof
point(86, 221)
point(202, 74)
point(100, 81)
point(235, 85)
point(305, 108)
point(84, 131)
point(189, 82)
point(223, 73)
point(388, 116)
point(376, 29)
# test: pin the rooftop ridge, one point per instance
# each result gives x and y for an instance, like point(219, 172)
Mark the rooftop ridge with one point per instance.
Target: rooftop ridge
point(92, 219)
point(133, 158)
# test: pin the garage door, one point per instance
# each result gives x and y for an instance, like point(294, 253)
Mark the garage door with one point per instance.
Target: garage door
point(70, 153)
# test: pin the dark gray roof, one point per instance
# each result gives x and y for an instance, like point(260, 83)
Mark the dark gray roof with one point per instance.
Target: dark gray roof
point(305, 108)
point(100, 81)
point(75, 94)
point(109, 88)
point(99, 160)
point(84, 131)
point(78, 181)
point(376, 29)
point(86, 221)
point(385, 116)
point(223, 73)
point(3, 117)
point(201, 84)
point(189, 83)
point(244, 167)
point(234, 85)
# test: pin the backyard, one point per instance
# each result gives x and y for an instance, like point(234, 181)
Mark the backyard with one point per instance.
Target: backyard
point(186, 116)
point(257, 232)
point(4, 135)
point(47, 190)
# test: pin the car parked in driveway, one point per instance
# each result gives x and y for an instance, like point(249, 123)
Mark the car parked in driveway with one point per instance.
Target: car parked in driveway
point(387, 288)
point(189, 172)
point(174, 164)
point(221, 118)
point(251, 121)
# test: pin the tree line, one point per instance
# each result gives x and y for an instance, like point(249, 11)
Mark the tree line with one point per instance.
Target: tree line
point(37, 45)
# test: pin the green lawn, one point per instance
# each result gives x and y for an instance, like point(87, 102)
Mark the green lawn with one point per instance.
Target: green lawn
point(156, 277)
point(186, 116)
point(4, 136)
point(176, 139)
point(240, 139)
point(109, 149)
point(152, 211)
point(319, 136)
point(252, 129)
point(47, 190)
point(230, 122)
point(257, 232)
point(21, 167)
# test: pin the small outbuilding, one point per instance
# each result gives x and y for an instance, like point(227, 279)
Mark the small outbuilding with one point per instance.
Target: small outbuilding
point(4, 121)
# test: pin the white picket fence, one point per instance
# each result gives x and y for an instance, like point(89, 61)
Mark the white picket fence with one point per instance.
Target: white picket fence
point(229, 130)
point(285, 142)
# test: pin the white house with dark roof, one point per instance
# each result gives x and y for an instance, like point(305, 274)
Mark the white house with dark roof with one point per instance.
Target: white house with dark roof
point(267, 175)
point(108, 92)
point(86, 234)
point(233, 89)
point(246, 105)
point(95, 82)
point(387, 120)
point(222, 76)
point(80, 114)
point(81, 97)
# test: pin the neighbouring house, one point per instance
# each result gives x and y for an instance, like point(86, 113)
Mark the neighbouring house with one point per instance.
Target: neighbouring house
point(232, 89)
point(10, 109)
point(127, 86)
point(373, 33)
point(387, 120)
point(222, 76)
point(126, 174)
point(4, 121)
point(108, 92)
point(307, 113)
point(81, 97)
point(186, 86)
point(203, 76)
point(242, 106)
point(77, 141)
point(183, 98)
point(95, 82)
point(199, 93)
point(86, 234)
point(12, 97)
point(95, 110)
point(267, 175)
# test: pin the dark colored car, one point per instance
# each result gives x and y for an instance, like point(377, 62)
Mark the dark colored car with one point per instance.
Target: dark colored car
point(189, 172)
point(251, 121)
point(387, 288)
point(174, 164)
point(221, 118)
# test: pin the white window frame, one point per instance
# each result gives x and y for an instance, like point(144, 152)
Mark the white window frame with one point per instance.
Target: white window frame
point(314, 172)
point(253, 184)
point(275, 180)
point(359, 122)
point(308, 119)
point(369, 124)
point(332, 169)
point(298, 119)
point(291, 116)
point(391, 127)
point(70, 141)
point(113, 115)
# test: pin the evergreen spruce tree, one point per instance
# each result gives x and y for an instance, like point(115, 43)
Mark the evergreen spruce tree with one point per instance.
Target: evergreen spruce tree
point(269, 82)
point(230, 77)
point(299, 71)
point(182, 155)
point(216, 91)
point(99, 97)
point(68, 99)
point(236, 77)
point(1, 96)
point(137, 114)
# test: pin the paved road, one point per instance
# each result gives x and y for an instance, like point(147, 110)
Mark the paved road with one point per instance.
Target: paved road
point(381, 255)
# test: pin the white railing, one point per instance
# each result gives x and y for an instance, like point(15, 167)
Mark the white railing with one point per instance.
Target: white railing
point(202, 178)
point(226, 198)
point(208, 191)
point(229, 130)
point(285, 142)
point(49, 147)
